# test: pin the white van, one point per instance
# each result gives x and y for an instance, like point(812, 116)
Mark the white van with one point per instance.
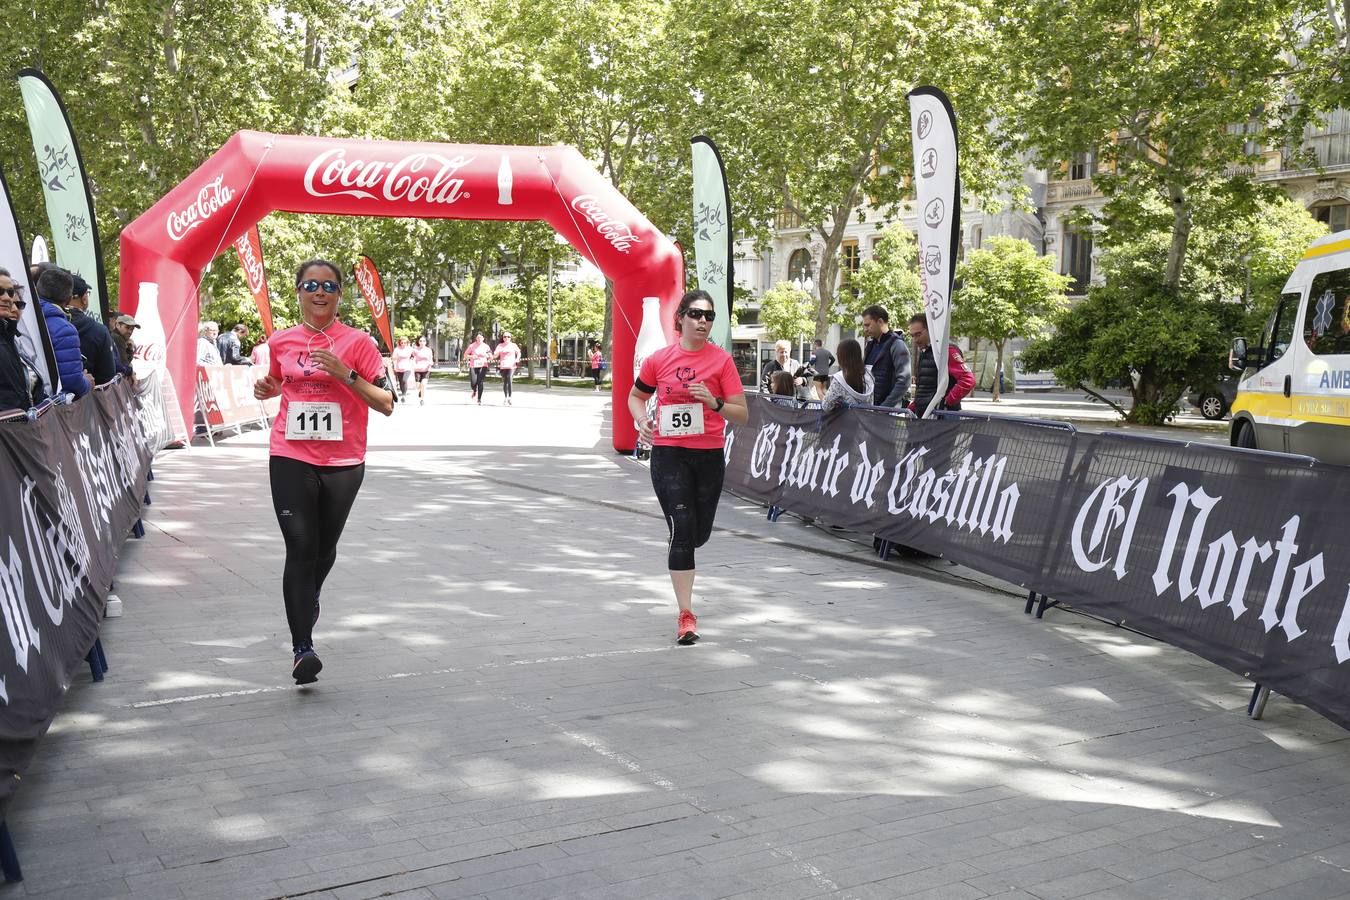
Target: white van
point(1294, 392)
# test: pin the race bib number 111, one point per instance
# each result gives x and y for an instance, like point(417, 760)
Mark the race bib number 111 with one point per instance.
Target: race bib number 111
point(318, 421)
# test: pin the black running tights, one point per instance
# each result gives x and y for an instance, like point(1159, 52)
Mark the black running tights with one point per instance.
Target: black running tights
point(688, 483)
point(311, 503)
point(478, 376)
point(506, 382)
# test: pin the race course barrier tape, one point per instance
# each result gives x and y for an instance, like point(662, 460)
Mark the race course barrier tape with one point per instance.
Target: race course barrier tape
point(71, 486)
point(1237, 556)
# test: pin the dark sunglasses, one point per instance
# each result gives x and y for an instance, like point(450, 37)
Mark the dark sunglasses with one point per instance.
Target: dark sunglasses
point(312, 286)
point(706, 315)
point(11, 291)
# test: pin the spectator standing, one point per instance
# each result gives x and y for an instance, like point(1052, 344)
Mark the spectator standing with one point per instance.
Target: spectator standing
point(822, 361)
point(231, 346)
point(54, 285)
point(782, 362)
point(207, 353)
point(961, 380)
point(261, 355)
point(96, 344)
point(852, 385)
point(15, 389)
point(887, 357)
point(122, 327)
point(597, 364)
point(403, 368)
point(37, 388)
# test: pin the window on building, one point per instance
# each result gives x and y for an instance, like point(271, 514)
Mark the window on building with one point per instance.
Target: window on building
point(799, 268)
point(1083, 165)
point(1336, 213)
point(786, 218)
point(1326, 321)
point(849, 263)
point(1077, 261)
point(976, 236)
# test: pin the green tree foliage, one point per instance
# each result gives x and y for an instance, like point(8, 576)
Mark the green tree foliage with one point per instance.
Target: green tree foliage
point(1166, 96)
point(890, 277)
point(1157, 340)
point(807, 100)
point(787, 312)
point(1006, 291)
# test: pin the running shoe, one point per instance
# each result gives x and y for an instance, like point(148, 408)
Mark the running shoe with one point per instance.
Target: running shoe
point(307, 665)
point(687, 630)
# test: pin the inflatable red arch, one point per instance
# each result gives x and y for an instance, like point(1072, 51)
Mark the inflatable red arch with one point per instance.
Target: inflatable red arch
point(165, 250)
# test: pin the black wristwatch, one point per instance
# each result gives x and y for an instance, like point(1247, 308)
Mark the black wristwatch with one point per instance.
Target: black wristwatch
point(351, 377)
point(720, 403)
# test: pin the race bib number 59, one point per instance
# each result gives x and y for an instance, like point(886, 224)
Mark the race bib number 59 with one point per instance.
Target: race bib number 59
point(316, 421)
point(681, 419)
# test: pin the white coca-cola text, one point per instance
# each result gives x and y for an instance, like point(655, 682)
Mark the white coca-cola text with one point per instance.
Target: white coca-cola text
point(419, 177)
point(618, 233)
point(210, 200)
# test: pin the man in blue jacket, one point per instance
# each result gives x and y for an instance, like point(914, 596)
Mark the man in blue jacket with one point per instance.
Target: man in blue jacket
point(53, 289)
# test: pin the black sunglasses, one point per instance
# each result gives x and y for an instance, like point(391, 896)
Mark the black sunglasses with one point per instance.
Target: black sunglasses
point(705, 314)
point(312, 286)
point(11, 291)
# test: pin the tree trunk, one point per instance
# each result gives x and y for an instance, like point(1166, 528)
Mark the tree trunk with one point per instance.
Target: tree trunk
point(828, 272)
point(998, 372)
point(1181, 235)
point(529, 332)
point(479, 269)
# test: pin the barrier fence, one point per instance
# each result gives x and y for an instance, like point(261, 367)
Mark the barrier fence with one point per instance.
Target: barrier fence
point(72, 482)
point(1230, 554)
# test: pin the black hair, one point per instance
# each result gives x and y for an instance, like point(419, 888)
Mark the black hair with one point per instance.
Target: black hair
point(688, 300)
point(920, 319)
point(878, 312)
point(849, 354)
point(310, 263)
point(55, 284)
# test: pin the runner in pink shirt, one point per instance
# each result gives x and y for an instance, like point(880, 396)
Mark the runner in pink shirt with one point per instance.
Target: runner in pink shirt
point(697, 390)
point(423, 360)
point(403, 368)
point(476, 356)
point(329, 377)
point(597, 365)
point(508, 355)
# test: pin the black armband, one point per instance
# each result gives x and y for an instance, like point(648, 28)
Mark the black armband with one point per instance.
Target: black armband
point(643, 386)
point(382, 383)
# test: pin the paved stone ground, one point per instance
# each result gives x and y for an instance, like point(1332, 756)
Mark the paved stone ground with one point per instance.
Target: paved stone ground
point(503, 713)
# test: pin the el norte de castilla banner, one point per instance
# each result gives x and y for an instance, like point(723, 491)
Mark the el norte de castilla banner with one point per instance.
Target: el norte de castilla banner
point(1234, 555)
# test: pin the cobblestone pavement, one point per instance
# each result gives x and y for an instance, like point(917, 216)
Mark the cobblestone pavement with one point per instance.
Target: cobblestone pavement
point(503, 712)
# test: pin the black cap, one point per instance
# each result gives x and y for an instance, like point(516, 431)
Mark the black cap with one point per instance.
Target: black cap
point(80, 287)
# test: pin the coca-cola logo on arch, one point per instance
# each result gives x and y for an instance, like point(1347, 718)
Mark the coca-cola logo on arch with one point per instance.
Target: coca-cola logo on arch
point(618, 233)
point(418, 177)
point(366, 282)
point(210, 200)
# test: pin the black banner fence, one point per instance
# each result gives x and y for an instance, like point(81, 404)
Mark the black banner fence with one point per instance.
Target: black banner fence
point(1229, 554)
point(72, 481)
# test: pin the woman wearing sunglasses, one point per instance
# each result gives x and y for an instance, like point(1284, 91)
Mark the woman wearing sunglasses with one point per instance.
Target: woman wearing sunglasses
point(329, 376)
point(698, 391)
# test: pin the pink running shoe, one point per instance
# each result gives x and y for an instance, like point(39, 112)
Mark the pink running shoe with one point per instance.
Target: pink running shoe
point(687, 631)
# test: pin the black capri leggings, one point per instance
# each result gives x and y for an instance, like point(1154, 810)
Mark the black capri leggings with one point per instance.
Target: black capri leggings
point(477, 378)
point(688, 483)
point(311, 503)
point(506, 382)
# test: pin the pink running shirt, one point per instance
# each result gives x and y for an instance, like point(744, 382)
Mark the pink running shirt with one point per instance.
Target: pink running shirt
point(422, 359)
point(672, 369)
point(403, 359)
point(508, 354)
point(477, 355)
point(302, 381)
point(596, 359)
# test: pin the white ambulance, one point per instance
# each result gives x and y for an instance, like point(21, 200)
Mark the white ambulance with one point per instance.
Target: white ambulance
point(1294, 392)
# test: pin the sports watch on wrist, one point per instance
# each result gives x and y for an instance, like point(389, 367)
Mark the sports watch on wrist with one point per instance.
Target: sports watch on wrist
point(720, 403)
point(351, 377)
